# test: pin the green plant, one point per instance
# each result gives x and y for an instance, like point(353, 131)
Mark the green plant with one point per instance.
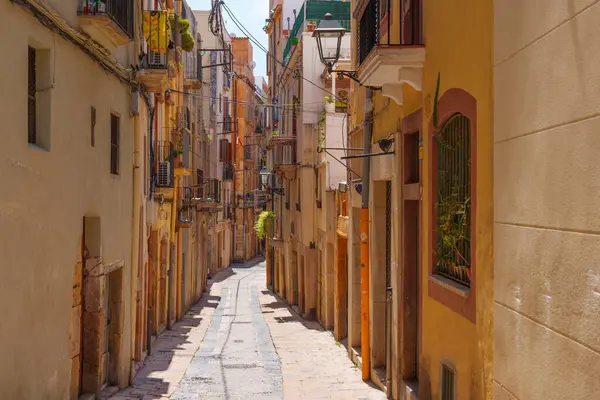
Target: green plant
point(453, 225)
point(262, 223)
point(187, 39)
point(329, 99)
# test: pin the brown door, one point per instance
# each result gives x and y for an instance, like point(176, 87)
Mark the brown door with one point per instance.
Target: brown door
point(411, 254)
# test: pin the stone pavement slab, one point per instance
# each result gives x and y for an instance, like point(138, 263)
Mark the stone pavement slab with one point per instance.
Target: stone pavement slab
point(314, 366)
point(242, 342)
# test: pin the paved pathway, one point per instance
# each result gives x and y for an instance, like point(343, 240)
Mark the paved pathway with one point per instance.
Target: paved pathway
point(241, 342)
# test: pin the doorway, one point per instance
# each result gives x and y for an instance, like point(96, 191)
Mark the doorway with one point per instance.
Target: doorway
point(411, 255)
point(294, 279)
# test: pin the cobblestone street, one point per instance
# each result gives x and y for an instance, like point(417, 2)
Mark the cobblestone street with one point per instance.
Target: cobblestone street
point(241, 342)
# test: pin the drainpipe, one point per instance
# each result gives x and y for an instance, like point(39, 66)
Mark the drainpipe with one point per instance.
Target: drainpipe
point(150, 319)
point(234, 127)
point(364, 239)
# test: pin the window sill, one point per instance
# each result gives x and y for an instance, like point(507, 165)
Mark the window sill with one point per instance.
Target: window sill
point(453, 295)
point(449, 284)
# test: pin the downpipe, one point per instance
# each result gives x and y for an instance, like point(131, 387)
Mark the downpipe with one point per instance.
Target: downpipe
point(364, 239)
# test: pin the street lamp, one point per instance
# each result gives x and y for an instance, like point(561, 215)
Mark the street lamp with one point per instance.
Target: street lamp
point(329, 29)
point(264, 175)
point(333, 30)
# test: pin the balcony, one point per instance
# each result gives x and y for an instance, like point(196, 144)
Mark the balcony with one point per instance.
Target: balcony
point(283, 154)
point(184, 118)
point(227, 172)
point(108, 22)
point(390, 65)
point(251, 148)
point(207, 195)
point(311, 11)
point(182, 146)
point(227, 124)
point(193, 69)
point(154, 72)
point(186, 210)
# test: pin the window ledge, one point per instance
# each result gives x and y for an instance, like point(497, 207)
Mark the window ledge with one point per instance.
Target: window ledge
point(449, 284)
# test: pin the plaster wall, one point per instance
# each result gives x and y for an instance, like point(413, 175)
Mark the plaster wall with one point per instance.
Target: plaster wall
point(459, 49)
point(546, 296)
point(336, 126)
point(48, 193)
point(312, 99)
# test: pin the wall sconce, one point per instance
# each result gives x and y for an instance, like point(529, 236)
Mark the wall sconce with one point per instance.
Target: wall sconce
point(358, 188)
point(385, 144)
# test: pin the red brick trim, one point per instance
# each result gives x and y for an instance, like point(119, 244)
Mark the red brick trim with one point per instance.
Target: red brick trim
point(452, 102)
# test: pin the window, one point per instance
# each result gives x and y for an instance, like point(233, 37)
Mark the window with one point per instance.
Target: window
point(39, 89)
point(448, 383)
point(93, 127)
point(31, 97)
point(299, 194)
point(115, 122)
point(199, 183)
point(225, 150)
point(453, 206)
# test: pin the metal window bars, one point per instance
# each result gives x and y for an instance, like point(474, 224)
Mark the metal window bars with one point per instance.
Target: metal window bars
point(453, 207)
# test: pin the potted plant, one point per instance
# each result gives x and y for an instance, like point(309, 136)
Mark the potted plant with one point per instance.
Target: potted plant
point(329, 104)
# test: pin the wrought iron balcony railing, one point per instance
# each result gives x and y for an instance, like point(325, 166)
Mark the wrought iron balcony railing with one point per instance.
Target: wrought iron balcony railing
point(227, 124)
point(119, 11)
point(370, 30)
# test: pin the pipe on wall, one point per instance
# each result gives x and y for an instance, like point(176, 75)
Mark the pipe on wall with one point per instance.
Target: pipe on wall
point(364, 240)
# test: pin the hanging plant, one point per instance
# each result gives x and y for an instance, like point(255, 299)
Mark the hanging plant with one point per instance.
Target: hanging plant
point(187, 39)
point(263, 222)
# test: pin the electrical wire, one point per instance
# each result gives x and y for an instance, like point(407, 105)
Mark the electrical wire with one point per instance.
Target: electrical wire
point(255, 41)
point(288, 107)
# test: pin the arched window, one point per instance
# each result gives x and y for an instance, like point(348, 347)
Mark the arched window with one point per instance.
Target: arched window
point(453, 202)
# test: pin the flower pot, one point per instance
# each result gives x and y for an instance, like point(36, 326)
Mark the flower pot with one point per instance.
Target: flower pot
point(330, 107)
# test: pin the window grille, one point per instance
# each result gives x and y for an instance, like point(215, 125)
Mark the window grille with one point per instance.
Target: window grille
point(453, 207)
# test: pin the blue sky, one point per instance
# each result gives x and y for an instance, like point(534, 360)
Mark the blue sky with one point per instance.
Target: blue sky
point(252, 15)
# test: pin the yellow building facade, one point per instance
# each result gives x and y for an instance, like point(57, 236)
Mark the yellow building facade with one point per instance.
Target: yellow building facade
point(439, 334)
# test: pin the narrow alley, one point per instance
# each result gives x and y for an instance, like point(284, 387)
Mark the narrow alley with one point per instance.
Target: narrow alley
point(241, 342)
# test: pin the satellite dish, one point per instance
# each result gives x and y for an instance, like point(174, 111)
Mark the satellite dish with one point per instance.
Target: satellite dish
point(252, 65)
point(233, 35)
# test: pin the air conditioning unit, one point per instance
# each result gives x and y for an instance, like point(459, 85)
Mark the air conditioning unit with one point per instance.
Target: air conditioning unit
point(157, 59)
point(164, 173)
